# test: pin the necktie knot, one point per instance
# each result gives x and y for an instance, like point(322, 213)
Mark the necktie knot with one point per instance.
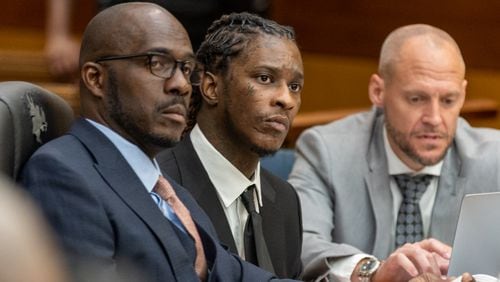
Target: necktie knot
point(412, 187)
point(164, 189)
point(248, 199)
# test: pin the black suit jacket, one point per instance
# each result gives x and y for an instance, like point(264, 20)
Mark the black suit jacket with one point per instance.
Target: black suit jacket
point(281, 214)
point(100, 210)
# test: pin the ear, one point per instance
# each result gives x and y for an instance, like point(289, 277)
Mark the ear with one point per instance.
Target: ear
point(376, 89)
point(209, 88)
point(93, 78)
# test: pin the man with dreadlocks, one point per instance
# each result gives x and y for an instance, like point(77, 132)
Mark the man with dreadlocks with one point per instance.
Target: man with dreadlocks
point(248, 96)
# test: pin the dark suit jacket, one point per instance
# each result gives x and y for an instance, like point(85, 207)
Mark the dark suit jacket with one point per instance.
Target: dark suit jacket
point(100, 210)
point(281, 213)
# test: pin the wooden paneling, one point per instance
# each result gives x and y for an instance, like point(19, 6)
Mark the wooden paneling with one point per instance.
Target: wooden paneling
point(357, 28)
point(333, 82)
point(23, 13)
point(30, 14)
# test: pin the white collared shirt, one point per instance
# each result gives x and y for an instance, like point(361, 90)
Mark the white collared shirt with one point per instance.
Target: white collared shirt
point(341, 269)
point(229, 182)
point(396, 166)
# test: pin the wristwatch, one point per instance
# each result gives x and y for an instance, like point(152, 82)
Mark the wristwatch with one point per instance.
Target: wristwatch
point(368, 267)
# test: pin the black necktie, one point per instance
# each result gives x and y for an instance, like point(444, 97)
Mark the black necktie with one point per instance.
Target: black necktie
point(409, 227)
point(255, 246)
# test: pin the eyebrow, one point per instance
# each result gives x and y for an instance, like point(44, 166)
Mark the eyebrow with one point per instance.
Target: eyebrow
point(299, 75)
point(423, 93)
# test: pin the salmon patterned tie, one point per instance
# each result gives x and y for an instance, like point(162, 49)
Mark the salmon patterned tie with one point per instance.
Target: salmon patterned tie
point(165, 190)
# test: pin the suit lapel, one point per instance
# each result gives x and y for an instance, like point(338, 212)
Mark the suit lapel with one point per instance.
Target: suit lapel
point(377, 183)
point(195, 179)
point(122, 179)
point(269, 210)
point(271, 218)
point(448, 199)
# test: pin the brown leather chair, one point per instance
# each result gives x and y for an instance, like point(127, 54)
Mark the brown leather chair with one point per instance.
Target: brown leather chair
point(29, 117)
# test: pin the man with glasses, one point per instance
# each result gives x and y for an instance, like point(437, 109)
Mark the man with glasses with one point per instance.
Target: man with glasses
point(250, 92)
point(100, 186)
point(162, 65)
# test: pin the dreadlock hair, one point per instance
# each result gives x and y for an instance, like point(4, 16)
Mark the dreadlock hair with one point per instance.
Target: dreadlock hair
point(225, 39)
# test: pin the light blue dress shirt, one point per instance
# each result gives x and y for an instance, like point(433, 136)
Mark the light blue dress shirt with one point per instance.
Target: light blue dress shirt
point(147, 170)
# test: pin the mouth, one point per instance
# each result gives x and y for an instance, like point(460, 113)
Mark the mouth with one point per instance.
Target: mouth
point(431, 137)
point(177, 113)
point(279, 123)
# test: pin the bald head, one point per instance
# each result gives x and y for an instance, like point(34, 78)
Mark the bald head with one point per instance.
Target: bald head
point(129, 74)
point(123, 27)
point(411, 41)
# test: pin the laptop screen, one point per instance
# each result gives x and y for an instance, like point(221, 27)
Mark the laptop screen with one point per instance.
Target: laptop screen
point(476, 248)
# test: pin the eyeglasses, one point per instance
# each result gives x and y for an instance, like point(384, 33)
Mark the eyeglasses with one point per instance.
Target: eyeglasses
point(163, 65)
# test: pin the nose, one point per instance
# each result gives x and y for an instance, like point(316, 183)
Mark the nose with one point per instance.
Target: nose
point(285, 98)
point(432, 114)
point(178, 84)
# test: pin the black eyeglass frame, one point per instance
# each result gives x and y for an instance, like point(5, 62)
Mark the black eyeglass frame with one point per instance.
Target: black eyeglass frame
point(177, 63)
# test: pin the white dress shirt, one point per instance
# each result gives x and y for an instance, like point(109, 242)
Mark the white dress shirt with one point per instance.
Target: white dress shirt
point(341, 269)
point(229, 182)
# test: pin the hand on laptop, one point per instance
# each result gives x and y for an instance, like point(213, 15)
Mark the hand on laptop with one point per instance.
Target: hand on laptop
point(428, 256)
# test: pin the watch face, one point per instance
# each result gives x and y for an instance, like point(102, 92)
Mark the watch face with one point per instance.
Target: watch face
point(369, 267)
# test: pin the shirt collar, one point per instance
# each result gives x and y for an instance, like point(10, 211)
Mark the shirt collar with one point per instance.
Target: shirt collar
point(146, 169)
point(396, 166)
point(226, 178)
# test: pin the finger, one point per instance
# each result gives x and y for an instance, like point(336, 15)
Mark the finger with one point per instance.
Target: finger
point(467, 277)
point(433, 245)
point(406, 264)
point(426, 277)
point(426, 262)
point(443, 263)
point(434, 265)
point(423, 260)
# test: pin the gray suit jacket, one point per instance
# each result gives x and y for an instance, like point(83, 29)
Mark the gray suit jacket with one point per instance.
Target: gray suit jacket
point(342, 179)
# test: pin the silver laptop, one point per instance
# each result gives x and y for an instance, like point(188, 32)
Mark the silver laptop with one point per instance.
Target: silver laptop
point(476, 248)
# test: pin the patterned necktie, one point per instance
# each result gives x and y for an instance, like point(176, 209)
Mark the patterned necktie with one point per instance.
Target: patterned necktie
point(255, 246)
point(165, 190)
point(409, 227)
